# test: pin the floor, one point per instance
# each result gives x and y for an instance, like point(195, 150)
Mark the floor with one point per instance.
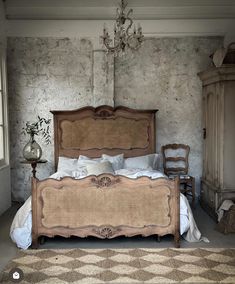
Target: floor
point(205, 224)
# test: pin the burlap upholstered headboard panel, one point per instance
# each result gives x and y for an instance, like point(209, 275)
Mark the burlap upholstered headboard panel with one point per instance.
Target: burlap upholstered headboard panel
point(93, 131)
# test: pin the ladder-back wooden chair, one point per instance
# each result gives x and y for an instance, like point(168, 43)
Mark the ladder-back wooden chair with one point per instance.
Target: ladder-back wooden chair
point(175, 163)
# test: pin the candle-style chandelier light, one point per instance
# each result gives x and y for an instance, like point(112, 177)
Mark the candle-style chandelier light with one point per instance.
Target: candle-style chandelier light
point(123, 39)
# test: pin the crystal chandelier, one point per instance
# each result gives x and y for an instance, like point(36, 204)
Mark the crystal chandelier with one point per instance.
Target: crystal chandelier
point(123, 38)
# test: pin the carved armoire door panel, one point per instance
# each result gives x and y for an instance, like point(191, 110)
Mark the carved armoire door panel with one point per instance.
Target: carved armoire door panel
point(213, 114)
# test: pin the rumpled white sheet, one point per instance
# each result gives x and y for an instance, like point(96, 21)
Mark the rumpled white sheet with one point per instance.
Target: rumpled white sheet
point(21, 228)
point(193, 234)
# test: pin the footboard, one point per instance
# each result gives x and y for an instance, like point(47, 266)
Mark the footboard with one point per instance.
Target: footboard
point(105, 206)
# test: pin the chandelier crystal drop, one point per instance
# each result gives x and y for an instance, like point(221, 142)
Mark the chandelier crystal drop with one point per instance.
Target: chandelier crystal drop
point(123, 39)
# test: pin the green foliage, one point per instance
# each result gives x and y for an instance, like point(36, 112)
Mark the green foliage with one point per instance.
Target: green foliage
point(41, 126)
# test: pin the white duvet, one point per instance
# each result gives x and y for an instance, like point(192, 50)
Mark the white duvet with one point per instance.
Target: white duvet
point(21, 228)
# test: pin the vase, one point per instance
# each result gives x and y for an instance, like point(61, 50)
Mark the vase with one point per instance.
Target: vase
point(32, 150)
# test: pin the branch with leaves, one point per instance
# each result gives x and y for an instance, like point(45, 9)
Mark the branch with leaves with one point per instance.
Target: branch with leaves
point(41, 126)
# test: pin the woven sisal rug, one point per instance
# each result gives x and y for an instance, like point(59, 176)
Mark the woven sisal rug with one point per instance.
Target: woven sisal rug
point(124, 266)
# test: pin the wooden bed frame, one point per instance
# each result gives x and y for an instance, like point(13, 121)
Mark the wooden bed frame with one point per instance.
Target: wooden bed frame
point(114, 205)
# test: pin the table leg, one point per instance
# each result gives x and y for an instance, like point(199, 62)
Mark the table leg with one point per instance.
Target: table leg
point(34, 165)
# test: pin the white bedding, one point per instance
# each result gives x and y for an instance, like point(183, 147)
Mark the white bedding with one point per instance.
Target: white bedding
point(21, 227)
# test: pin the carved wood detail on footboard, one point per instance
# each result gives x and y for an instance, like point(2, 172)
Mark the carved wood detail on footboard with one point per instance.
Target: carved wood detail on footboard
point(105, 206)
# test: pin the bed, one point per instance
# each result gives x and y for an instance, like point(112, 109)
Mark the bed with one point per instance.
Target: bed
point(106, 205)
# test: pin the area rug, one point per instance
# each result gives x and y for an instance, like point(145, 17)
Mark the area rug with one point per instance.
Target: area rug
point(124, 266)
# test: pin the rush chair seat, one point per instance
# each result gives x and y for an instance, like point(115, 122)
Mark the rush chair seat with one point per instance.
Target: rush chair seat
point(175, 163)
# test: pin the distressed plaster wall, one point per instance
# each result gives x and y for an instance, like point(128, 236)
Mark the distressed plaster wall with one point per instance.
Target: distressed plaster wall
point(163, 75)
point(47, 74)
point(66, 73)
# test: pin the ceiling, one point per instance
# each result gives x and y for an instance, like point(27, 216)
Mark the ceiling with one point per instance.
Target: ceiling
point(105, 9)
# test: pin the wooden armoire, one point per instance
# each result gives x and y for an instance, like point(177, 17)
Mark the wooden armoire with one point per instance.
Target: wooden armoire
point(218, 178)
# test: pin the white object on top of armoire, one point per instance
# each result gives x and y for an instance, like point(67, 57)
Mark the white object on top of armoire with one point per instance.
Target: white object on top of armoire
point(218, 179)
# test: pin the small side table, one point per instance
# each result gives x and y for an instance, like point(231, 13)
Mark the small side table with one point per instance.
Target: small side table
point(34, 165)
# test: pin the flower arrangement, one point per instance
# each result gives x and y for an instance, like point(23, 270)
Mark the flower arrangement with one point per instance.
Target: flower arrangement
point(41, 126)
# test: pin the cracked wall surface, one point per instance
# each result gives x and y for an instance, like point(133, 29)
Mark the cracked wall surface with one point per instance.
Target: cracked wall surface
point(163, 75)
point(48, 74)
point(66, 73)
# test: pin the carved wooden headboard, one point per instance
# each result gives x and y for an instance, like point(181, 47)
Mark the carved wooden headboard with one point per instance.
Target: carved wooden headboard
point(104, 130)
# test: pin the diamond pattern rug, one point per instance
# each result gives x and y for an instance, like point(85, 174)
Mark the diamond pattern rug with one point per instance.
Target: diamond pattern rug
point(124, 266)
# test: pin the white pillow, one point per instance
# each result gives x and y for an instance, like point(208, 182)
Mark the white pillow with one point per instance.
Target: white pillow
point(141, 162)
point(99, 168)
point(66, 165)
point(85, 158)
point(116, 161)
point(81, 169)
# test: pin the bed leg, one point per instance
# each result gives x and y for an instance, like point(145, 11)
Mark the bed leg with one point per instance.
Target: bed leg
point(35, 243)
point(177, 239)
point(158, 238)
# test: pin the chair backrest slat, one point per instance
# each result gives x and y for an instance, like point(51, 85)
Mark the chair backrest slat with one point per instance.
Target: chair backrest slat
point(174, 162)
point(175, 159)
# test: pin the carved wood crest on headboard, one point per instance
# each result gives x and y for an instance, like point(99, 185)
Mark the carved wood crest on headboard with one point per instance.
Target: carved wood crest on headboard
point(104, 130)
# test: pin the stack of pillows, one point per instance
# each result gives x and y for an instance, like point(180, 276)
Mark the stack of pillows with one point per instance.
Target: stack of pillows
point(84, 166)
